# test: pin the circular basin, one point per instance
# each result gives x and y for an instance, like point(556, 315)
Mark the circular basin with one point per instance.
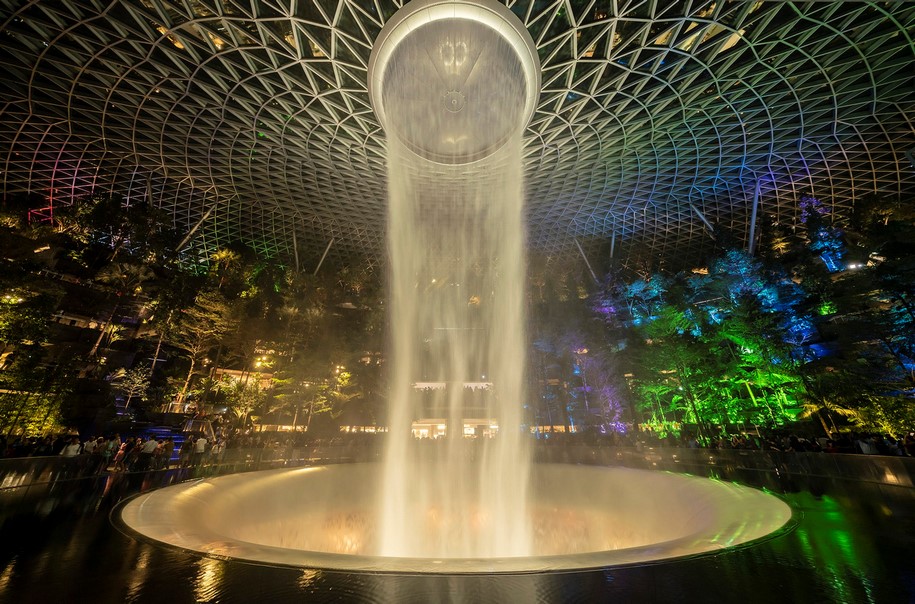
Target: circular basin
point(580, 517)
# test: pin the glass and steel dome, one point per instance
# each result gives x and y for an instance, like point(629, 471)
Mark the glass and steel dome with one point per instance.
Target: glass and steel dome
point(656, 121)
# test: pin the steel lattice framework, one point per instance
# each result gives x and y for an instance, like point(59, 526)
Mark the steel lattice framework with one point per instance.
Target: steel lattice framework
point(658, 120)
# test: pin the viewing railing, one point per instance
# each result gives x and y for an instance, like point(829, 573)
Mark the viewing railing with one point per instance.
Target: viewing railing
point(885, 470)
point(24, 479)
point(35, 478)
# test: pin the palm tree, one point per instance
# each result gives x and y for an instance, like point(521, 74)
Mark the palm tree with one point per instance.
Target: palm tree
point(242, 397)
point(828, 393)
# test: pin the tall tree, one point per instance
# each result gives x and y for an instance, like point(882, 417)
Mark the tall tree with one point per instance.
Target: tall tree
point(132, 383)
point(198, 330)
point(127, 280)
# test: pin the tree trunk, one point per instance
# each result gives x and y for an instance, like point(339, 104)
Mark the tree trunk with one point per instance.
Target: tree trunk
point(832, 421)
point(756, 403)
point(187, 381)
point(657, 401)
point(905, 303)
point(823, 422)
point(213, 368)
point(692, 405)
point(896, 356)
point(688, 392)
point(156, 354)
point(311, 412)
point(101, 335)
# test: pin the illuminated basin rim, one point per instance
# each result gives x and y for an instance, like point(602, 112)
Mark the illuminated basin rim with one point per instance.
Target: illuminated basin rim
point(589, 516)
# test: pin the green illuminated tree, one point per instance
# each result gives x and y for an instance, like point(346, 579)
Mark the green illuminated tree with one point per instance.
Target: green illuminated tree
point(717, 346)
point(674, 369)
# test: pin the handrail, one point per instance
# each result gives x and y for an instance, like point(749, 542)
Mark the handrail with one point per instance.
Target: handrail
point(46, 472)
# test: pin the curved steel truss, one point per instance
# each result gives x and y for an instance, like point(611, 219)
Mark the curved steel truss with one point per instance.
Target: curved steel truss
point(658, 120)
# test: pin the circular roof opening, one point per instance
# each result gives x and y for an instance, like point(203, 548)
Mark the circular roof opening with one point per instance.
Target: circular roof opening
point(454, 81)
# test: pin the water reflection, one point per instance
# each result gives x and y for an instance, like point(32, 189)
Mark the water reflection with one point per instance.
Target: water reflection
point(138, 579)
point(209, 579)
point(827, 542)
point(853, 546)
point(308, 578)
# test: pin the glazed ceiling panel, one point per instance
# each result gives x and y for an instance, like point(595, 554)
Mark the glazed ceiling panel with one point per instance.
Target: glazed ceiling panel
point(659, 123)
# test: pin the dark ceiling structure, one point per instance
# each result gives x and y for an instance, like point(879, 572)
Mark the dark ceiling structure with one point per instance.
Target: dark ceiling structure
point(660, 123)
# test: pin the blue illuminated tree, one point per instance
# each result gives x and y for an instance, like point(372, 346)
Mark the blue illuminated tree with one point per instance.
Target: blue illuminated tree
point(825, 238)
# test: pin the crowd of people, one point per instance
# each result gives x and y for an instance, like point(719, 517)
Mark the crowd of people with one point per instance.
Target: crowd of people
point(96, 454)
point(140, 453)
point(846, 442)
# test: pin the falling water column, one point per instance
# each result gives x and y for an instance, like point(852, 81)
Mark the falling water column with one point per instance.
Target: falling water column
point(454, 84)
